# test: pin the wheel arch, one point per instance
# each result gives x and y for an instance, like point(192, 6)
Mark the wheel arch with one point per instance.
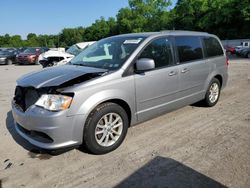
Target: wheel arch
point(220, 78)
point(121, 103)
point(123, 99)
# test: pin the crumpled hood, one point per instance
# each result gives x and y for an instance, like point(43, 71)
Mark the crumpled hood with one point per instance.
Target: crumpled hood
point(55, 76)
point(53, 53)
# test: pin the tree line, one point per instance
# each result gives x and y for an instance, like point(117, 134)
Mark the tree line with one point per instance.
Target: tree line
point(229, 19)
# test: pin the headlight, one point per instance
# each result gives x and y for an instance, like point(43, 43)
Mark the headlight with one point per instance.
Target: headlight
point(54, 102)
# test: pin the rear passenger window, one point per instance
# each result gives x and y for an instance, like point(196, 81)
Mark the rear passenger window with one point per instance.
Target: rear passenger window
point(189, 48)
point(212, 47)
point(160, 51)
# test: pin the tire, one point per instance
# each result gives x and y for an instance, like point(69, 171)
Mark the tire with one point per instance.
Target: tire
point(248, 55)
point(9, 62)
point(96, 128)
point(209, 101)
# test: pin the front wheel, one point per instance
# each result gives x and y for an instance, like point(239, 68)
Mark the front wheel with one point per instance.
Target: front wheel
point(105, 128)
point(213, 93)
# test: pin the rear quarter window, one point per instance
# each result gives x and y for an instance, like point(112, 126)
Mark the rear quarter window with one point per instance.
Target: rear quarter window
point(212, 47)
point(189, 48)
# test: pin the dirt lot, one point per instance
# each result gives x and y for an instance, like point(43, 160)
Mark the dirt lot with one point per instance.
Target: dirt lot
point(190, 147)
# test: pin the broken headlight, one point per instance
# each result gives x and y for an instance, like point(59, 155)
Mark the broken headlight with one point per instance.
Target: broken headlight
point(54, 102)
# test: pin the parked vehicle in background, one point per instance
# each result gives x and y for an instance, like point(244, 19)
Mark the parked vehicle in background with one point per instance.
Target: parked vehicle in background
point(243, 45)
point(10, 49)
point(244, 53)
point(118, 82)
point(240, 51)
point(8, 57)
point(21, 49)
point(230, 50)
point(30, 55)
point(59, 57)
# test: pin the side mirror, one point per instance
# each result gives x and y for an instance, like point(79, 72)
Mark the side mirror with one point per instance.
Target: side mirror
point(145, 64)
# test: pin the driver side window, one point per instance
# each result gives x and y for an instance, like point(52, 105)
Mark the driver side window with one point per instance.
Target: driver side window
point(160, 51)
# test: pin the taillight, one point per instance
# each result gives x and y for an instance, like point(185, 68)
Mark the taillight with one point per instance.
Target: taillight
point(227, 63)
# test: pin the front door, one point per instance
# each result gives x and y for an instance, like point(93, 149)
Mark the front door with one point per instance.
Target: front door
point(157, 89)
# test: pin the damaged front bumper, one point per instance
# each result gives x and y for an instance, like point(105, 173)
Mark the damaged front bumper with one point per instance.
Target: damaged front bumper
point(46, 129)
point(50, 129)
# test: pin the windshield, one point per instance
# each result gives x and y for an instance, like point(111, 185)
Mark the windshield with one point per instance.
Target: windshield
point(110, 53)
point(74, 50)
point(5, 53)
point(31, 50)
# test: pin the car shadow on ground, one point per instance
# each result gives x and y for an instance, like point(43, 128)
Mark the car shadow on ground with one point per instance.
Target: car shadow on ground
point(33, 151)
point(167, 172)
point(199, 104)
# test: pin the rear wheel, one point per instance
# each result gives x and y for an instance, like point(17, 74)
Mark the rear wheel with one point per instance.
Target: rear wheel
point(213, 93)
point(105, 128)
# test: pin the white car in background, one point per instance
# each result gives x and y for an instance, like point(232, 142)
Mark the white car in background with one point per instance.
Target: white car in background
point(58, 56)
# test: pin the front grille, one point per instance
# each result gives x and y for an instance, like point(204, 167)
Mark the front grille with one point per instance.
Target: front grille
point(23, 58)
point(25, 97)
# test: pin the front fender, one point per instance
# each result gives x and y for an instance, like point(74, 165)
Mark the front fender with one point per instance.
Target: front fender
point(106, 95)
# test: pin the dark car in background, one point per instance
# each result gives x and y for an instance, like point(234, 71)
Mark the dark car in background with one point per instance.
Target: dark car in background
point(30, 55)
point(8, 57)
point(244, 53)
point(21, 49)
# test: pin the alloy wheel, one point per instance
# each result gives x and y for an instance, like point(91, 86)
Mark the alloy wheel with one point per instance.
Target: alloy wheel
point(109, 129)
point(214, 92)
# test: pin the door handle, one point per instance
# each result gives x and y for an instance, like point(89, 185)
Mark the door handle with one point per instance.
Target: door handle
point(172, 73)
point(184, 70)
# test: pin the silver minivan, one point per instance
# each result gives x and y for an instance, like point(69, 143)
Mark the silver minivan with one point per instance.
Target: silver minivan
point(118, 82)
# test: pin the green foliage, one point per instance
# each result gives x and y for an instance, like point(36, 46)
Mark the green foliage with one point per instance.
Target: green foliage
point(143, 15)
point(70, 36)
point(229, 19)
point(100, 29)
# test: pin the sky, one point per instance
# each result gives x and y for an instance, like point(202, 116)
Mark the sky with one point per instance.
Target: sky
point(51, 16)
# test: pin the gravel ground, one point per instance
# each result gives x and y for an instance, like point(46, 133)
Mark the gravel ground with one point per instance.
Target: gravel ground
point(191, 147)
